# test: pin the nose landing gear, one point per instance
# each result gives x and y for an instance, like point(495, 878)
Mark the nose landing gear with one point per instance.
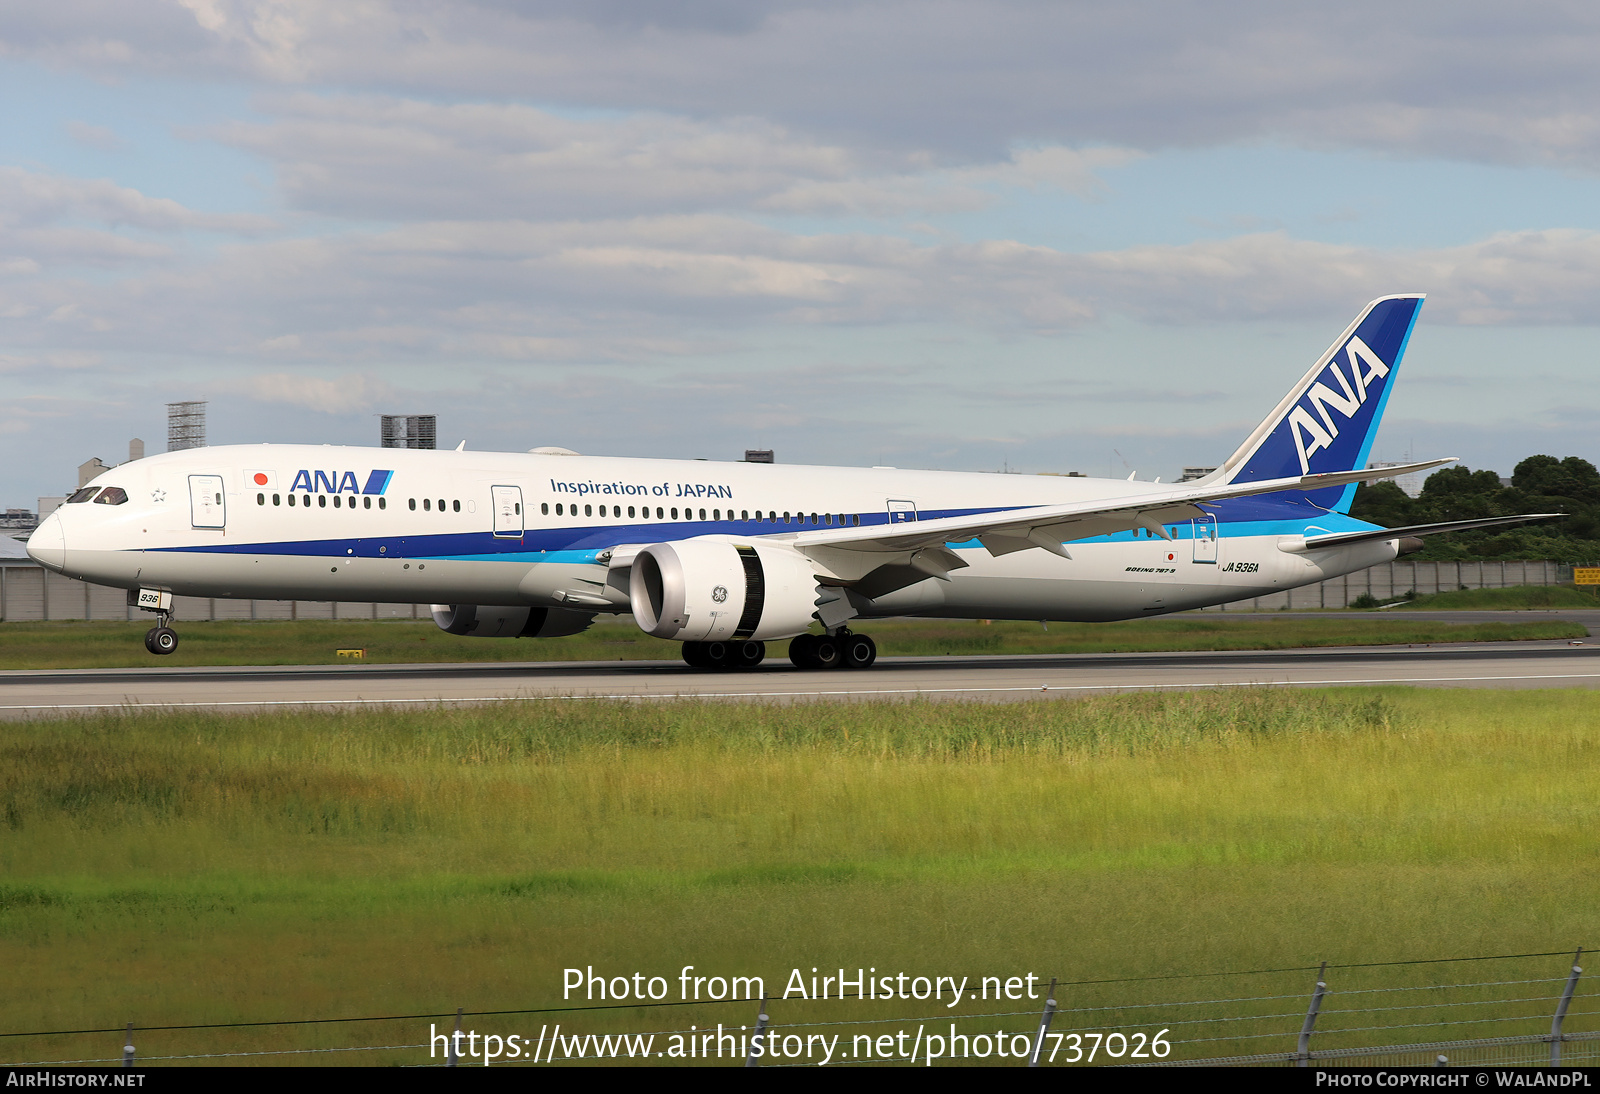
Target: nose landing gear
point(161, 639)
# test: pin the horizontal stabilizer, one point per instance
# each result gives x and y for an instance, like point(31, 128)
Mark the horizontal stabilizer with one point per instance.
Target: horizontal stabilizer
point(1341, 539)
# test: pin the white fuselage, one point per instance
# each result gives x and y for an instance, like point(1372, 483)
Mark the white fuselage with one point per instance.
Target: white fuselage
point(484, 528)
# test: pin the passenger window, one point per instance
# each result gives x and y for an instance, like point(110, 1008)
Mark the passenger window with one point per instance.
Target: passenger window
point(544, 508)
point(441, 505)
point(630, 511)
point(856, 520)
point(413, 503)
point(427, 505)
point(455, 506)
point(366, 503)
point(588, 510)
point(381, 504)
point(558, 509)
point(336, 501)
point(674, 512)
point(702, 514)
point(661, 513)
point(277, 499)
point(828, 518)
point(291, 500)
point(261, 499)
point(322, 501)
point(518, 508)
point(716, 514)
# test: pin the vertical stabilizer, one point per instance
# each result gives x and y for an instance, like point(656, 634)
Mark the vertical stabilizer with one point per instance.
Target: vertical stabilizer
point(1328, 420)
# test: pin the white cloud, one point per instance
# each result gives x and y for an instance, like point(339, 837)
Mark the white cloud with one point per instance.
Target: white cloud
point(31, 198)
point(351, 393)
point(967, 78)
point(95, 136)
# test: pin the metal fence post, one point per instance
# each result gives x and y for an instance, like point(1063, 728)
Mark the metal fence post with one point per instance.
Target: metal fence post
point(127, 1047)
point(1303, 1051)
point(455, 1042)
point(761, 1027)
point(1044, 1023)
point(1561, 1009)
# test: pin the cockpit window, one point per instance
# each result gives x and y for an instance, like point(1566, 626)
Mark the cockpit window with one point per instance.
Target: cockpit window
point(82, 495)
point(112, 495)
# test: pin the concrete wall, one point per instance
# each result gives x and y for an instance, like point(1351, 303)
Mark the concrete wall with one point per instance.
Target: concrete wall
point(30, 592)
point(1392, 579)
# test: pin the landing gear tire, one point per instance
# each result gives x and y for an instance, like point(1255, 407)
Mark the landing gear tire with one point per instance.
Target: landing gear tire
point(724, 655)
point(825, 652)
point(747, 655)
point(161, 640)
point(858, 651)
point(801, 651)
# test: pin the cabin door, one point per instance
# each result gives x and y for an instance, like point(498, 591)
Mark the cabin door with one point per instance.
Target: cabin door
point(206, 507)
point(1205, 540)
point(507, 511)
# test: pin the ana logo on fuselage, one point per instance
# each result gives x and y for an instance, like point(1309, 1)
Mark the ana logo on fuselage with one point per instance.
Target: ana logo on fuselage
point(340, 482)
point(1310, 434)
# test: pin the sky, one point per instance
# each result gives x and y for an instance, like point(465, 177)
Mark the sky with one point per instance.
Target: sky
point(996, 236)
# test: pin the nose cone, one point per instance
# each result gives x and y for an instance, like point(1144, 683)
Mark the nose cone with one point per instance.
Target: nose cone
point(48, 544)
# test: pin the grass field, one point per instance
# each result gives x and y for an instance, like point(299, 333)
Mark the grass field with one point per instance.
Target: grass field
point(189, 867)
point(111, 644)
point(1515, 598)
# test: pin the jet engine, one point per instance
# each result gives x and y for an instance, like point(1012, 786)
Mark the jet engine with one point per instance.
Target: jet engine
point(479, 621)
point(712, 590)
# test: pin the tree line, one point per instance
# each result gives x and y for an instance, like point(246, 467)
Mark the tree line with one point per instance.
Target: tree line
point(1540, 484)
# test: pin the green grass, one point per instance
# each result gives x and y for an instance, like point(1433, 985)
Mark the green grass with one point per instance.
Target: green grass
point(1517, 597)
point(187, 867)
point(113, 645)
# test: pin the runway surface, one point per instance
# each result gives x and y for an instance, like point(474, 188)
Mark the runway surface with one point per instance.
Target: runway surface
point(995, 678)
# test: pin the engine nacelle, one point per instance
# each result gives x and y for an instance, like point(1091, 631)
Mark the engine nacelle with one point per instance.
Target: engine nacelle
point(711, 590)
point(478, 621)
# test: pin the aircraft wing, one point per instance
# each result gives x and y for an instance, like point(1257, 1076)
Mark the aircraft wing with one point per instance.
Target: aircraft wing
point(1340, 539)
point(1046, 526)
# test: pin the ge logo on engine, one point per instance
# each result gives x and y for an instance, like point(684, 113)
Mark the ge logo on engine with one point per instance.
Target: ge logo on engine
point(720, 593)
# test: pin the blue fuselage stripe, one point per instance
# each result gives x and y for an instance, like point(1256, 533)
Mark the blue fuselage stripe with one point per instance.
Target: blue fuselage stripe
point(1264, 515)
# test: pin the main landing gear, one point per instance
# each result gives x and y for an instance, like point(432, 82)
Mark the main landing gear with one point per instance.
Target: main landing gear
point(161, 639)
point(808, 651)
point(830, 651)
point(724, 655)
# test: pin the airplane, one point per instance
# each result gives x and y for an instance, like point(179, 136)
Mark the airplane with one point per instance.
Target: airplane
point(725, 557)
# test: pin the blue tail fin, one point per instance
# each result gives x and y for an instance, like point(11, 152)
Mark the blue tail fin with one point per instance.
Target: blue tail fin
point(1328, 420)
